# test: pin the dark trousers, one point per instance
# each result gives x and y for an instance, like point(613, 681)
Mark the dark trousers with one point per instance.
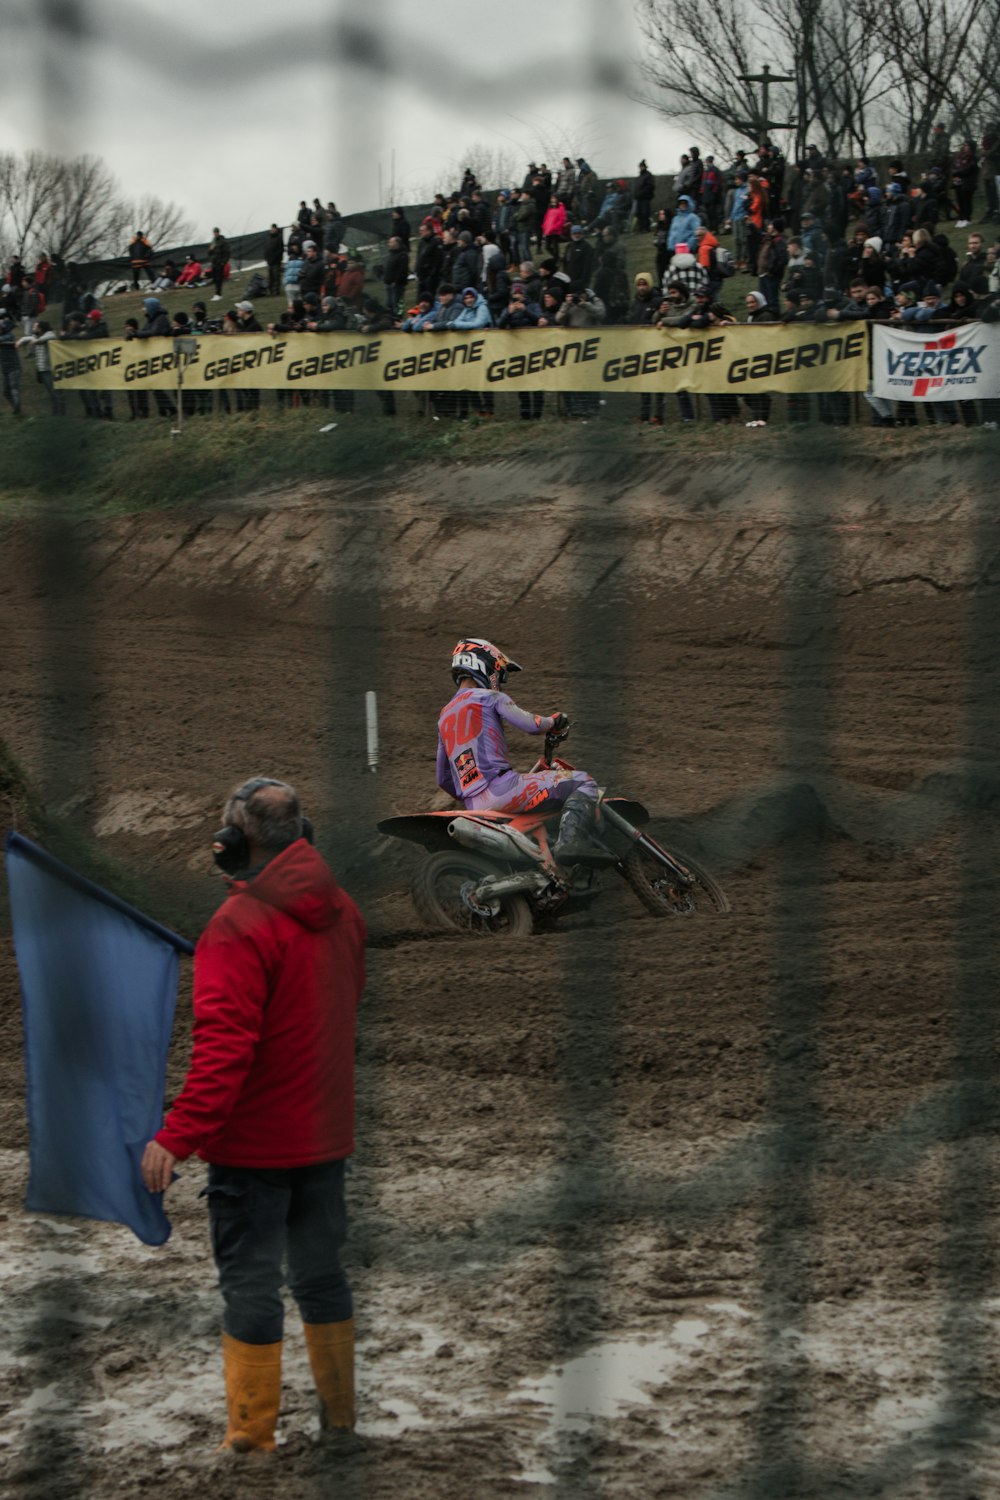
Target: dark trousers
point(768, 286)
point(218, 278)
point(266, 1220)
point(835, 408)
point(760, 407)
point(58, 401)
point(12, 386)
point(723, 408)
point(754, 237)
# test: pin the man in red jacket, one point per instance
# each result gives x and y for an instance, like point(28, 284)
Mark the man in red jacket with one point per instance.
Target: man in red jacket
point(268, 1102)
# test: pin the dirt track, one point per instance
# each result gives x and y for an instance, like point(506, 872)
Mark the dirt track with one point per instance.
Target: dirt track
point(718, 1163)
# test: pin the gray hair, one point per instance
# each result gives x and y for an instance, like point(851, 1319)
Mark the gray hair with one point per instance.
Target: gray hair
point(268, 811)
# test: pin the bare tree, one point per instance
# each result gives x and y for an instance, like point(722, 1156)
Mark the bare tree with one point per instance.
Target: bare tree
point(494, 166)
point(28, 186)
point(840, 79)
point(697, 54)
point(868, 74)
point(925, 45)
point(83, 218)
point(74, 210)
point(164, 223)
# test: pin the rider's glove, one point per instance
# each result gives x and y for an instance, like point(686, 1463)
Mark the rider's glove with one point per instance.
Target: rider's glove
point(560, 723)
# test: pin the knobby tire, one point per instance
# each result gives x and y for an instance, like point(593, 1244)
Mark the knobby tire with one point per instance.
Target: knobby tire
point(653, 885)
point(436, 896)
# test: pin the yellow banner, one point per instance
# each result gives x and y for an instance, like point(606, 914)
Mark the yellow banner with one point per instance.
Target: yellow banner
point(737, 360)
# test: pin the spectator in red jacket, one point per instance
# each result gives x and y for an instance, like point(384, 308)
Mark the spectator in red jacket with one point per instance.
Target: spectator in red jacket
point(190, 272)
point(268, 1102)
point(351, 279)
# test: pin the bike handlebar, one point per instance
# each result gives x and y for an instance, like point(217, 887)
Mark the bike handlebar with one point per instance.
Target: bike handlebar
point(553, 738)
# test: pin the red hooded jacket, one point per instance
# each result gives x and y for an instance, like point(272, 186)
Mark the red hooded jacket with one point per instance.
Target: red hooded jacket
point(278, 974)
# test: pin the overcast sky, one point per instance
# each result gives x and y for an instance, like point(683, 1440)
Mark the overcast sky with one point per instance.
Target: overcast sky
point(237, 110)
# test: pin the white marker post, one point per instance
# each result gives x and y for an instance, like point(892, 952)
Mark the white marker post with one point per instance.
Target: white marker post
point(371, 727)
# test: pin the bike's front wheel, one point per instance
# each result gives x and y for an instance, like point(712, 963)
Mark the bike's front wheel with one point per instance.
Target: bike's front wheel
point(443, 890)
point(663, 894)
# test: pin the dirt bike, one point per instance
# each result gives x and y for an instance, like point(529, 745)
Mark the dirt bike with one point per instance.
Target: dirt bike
point(493, 872)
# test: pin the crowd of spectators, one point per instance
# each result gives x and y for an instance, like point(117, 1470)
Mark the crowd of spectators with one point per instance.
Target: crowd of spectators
point(822, 241)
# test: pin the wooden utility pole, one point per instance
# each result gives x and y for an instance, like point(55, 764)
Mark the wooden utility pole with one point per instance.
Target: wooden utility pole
point(765, 78)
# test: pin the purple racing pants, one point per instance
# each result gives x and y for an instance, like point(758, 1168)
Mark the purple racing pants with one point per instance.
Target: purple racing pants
point(513, 793)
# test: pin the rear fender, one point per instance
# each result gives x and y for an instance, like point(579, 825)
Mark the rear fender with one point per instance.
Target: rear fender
point(431, 829)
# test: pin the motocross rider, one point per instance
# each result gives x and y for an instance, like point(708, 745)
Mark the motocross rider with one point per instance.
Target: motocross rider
point(472, 758)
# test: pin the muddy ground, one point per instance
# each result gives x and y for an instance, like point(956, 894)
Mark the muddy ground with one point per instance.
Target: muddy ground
point(695, 1208)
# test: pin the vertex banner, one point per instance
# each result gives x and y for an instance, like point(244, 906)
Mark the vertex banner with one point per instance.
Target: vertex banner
point(954, 364)
point(99, 985)
point(737, 360)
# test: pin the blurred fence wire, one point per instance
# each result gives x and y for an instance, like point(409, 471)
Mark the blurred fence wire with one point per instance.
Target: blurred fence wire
point(75, 48)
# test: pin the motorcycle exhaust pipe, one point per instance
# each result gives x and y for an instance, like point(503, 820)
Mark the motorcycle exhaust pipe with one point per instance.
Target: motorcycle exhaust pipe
point(495, 886)
point(504, 844)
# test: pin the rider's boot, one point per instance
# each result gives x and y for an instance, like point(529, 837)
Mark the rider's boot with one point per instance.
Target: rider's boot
point(575, 827)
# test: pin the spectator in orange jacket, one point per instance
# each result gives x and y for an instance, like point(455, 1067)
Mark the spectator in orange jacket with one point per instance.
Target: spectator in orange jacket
point(140, 254)
point(757, 195)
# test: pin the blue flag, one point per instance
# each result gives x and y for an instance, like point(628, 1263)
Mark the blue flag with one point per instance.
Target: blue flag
point(99, 988)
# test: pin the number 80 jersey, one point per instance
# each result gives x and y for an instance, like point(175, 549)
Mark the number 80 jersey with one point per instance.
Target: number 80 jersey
point(472, 746)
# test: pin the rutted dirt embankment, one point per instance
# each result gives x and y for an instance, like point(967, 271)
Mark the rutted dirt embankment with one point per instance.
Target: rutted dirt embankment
point(569, 526)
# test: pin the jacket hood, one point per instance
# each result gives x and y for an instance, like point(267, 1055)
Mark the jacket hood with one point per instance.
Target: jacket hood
point(152, 306)
point(298, 882)
point(684, 201)
point(480, 302)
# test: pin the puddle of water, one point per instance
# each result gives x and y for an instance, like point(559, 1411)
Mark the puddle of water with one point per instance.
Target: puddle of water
point(905, 1415)
point(400, 1416)
point(611, 1377)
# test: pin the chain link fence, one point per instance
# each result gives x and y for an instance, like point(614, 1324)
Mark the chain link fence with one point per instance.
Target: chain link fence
point(774, 1170)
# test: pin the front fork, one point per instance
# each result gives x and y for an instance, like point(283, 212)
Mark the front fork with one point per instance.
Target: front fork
point(679, 871)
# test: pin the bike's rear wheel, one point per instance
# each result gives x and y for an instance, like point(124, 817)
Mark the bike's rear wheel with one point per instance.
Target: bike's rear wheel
point(661, 893)
point(441, 890)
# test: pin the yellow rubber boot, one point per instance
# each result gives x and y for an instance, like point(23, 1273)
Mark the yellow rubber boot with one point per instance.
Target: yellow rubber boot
point(331, 1355)
point(253, 1394)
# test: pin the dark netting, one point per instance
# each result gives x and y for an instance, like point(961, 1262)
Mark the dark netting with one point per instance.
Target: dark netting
point(596, 1140)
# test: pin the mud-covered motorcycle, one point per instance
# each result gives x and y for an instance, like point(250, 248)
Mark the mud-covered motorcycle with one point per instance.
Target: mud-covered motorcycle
point(492, 873)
